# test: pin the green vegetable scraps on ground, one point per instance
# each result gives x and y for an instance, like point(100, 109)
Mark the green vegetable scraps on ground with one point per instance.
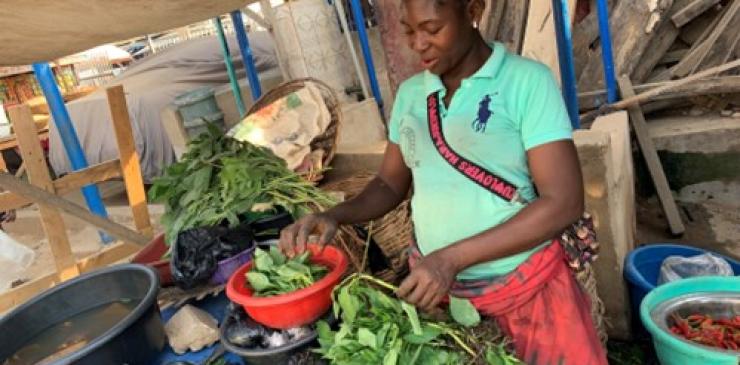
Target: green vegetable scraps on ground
point(274, 274)
point(379, 329)
point(220, 179)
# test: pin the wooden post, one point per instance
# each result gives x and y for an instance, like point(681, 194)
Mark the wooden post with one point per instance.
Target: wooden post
point(651, 158)
point(129, 160)
point(38, 174)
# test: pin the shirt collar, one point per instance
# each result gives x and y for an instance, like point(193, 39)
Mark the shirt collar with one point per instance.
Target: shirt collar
point(433, 83)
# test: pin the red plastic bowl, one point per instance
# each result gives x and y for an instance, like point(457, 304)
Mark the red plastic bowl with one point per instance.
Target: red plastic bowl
point(151, 255)
point(297, 308)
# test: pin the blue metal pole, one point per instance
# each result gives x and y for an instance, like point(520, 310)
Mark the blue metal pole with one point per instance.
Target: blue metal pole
point(69, 138)
point(606, 51)
point(565, 57)
point(359, 17)
point(247, 59)
point(230, 68)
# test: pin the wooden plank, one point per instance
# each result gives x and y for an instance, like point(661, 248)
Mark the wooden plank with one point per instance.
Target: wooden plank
point(699, 51)
point(16, 296)
point(540, 40)
point(68, 183)
point(11, 142)
point(511, 30)
point(724, 46)
point(129, 160)
point(633, 25)
point(10, 201)
point(257, 18)
point(47, 200)
point(674, 56)
point(107, 256)
point(659, 44)
point(654, 165)
point(585, 33)
point(708, 86)
point(491, 19)
point(38, 175)
point(90, 175)
point(691, 11)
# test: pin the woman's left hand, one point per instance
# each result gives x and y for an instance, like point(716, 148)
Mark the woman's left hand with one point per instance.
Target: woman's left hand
point(429, 281)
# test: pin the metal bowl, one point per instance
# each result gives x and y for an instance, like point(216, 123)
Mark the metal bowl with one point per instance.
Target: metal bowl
point(714, 304)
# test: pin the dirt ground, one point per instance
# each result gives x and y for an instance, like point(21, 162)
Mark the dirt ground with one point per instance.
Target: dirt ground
point(83, 237)
point(711, 225)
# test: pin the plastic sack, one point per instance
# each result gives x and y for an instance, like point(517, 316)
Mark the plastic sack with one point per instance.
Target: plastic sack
point(680, 267)
point(14, 259)
point(197, 251)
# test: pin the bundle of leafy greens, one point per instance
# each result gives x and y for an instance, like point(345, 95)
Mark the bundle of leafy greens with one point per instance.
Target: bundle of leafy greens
point(379, 329)
point(221, 179)
point(274, 274)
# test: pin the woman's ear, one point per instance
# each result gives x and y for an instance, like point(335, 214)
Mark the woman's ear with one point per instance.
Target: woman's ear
point(475, 9)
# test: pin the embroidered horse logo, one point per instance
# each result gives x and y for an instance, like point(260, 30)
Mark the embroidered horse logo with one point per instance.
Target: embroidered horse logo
point(484, 113)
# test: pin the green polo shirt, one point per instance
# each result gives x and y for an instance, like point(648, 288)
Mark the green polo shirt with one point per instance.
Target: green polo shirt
point(511, 104)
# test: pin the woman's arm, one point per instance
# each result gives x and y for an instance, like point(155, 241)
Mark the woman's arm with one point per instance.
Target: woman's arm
point(380, 196)
point(557, 175)
point(388, 189)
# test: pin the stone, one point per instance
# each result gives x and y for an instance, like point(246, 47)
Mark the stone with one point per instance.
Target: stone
point(726, 112)
point(191, 329)
point(606, 162)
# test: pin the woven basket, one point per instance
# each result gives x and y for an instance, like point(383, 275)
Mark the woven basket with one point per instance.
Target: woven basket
point(393, 232)
point(587, 279)
point(326, 141)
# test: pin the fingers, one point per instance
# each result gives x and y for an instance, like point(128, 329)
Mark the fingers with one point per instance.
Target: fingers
point(407, 286)
point(287, 239)
point(427, 298)
point(305, 230)
point(329, 231)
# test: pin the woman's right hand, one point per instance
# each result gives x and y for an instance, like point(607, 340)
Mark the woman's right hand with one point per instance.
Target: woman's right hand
point(294, 238)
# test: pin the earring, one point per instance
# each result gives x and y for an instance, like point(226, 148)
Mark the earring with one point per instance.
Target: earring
point(475, 24)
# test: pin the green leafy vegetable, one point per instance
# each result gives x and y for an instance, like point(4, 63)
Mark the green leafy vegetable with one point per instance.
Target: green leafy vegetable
point(379, 329)
point(221, 179)
point(464, 312)
point(274, 274)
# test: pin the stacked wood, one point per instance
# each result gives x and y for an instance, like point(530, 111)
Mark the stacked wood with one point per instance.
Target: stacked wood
point(656, 41)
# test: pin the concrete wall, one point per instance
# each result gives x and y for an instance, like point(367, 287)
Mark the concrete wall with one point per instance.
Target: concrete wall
point(606, 162)
point(701, 156)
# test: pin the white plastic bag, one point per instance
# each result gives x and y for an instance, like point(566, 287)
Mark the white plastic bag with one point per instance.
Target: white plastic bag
point(14, 259)
point(679, 267)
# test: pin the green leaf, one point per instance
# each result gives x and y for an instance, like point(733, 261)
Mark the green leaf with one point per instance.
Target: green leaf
point(277, 257)
point(367, 338)
point(391, 357)
point(349, 305)
point(303, 258)
point(258, 281)
point(262, 260)
point(463, 312)
point(413, 317)
point(324, 332)
point(428, 334)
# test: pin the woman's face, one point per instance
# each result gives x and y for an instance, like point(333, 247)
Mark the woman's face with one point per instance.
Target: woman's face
point(440, 32)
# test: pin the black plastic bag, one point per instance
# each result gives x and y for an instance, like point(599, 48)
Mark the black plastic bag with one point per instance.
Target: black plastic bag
point(197, 251)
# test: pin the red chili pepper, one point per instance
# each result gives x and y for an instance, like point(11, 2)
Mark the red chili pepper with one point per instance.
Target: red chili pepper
point(730, 345)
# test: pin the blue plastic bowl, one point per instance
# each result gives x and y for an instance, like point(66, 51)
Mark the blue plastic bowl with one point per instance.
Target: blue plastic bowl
point(642, 268)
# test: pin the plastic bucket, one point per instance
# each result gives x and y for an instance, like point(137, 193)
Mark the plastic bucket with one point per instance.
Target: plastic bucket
point(672, 350)
point(642, 268)
point(196, 104)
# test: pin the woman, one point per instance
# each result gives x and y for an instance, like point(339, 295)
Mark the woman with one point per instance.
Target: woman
point(485, 139)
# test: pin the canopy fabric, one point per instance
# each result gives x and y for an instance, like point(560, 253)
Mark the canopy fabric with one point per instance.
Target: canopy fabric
point(44, 30)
